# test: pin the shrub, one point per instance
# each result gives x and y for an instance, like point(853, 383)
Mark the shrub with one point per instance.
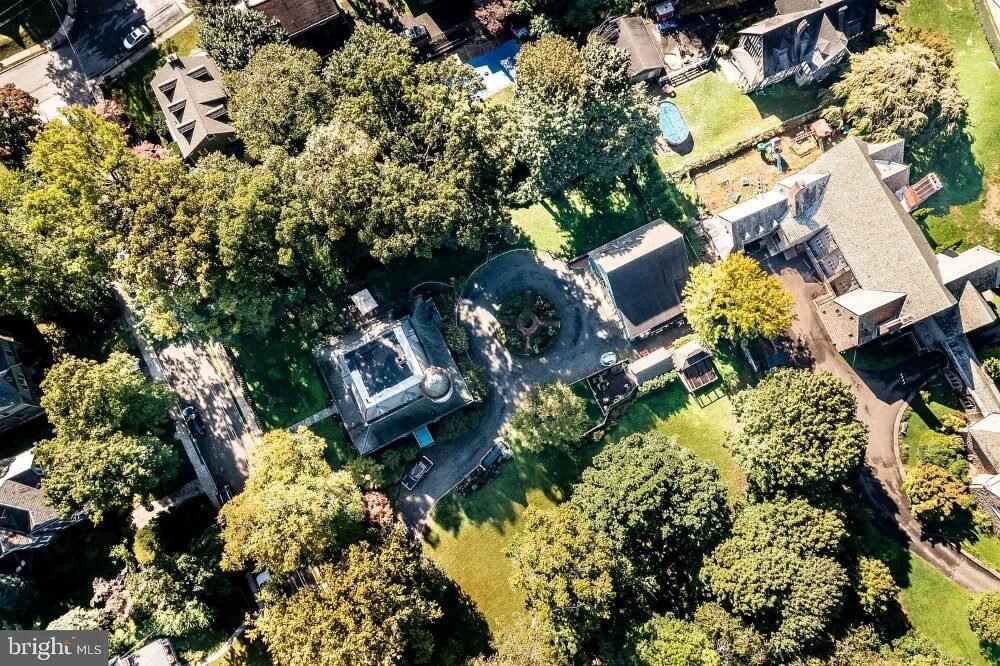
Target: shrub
point(146, 546)
point(954, 421)
point(475, 379)
point(984, 617)
point(992, 367)
point(457, 424)
point(657, 383)
point(398, 459)
point(367, 473)
point(457, 340)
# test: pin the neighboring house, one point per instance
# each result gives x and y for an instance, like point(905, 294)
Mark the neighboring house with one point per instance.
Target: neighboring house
point(497, 67)
point(393, 379)
point(643, 273)
point(194, 101)
point(18, 402)
point(807, 39)
point(644, 58)
point(27, 521)
point(298, 18)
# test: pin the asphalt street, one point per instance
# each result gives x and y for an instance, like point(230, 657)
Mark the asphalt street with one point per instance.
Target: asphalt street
point(65, 75)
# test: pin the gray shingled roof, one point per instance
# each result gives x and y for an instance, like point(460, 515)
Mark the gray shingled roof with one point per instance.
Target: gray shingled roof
point(975, 312)
point(193, 100)
point(296, 16)
point(881, 243)
point(634, 38)
point(646, 270)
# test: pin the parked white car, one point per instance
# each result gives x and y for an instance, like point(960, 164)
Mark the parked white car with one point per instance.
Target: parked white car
point(138, 35)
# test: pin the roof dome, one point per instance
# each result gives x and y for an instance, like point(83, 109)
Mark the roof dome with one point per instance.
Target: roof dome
point(436, 384)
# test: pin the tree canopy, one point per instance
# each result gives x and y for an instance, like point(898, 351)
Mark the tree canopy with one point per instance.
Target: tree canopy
point(797, 430)
point(984, 617)
point(565, 569)
point(376, 606)
point(577, 118)
point(231, 36)
point(735, 300)
point(107, 420)
point(278, 98)
point(934, 492)
point(289, 515)
point(659, 504)
point(549, 415)
point(413, 159)
point(667, 640)
point(19, 122)
point(906, 89)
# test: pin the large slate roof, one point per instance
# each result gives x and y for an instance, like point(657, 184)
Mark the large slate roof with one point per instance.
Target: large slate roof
point(645, 271)
point(883, 246)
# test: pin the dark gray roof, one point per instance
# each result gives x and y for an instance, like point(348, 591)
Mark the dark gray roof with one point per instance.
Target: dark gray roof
point(633, 37)
point(190, 93)
point(9, 395)
point(645, 270)
point(370, 429)
point(882, 245)
point(296, 16)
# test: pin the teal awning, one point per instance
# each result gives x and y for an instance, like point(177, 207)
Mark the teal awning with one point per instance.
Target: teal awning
point(423, 435)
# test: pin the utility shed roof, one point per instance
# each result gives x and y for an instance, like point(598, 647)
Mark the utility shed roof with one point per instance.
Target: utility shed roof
point(958, 267)
point(633, 37)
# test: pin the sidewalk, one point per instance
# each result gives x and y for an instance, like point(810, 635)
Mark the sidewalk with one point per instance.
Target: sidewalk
point(161, 37)
point(52, 42)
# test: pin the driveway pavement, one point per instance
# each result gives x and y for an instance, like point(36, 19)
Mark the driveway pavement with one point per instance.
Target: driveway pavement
point(586, 332)
point(64, 76)
point(880, 397)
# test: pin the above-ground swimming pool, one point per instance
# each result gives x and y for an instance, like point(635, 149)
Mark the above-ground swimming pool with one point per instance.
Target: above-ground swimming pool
point(672, 124)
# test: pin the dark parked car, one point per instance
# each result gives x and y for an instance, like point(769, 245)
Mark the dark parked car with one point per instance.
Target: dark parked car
point(415, 34)
point(417, 472)
point(193, 420)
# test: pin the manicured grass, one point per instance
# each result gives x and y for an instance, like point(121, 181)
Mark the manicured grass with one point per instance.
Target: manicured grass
point(31, 23)
point(926, 414)
point(964, 213)
point(339, 450)
point(937, 608)
point(467, 536)
point(132, 89)
point(719, 115)
point(281, 375)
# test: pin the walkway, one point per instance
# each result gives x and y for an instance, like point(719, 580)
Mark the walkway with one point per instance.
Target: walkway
point(321, 415)
point(586, 332)
point(880, 397)
point(141, 516)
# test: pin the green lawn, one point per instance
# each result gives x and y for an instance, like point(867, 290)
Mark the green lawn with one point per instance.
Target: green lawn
point(283, 380)
point(719, 115)
point(962, 213)
point(34, 22)
point(133, 91)
point(339, 450)
point(926, 415)
point(467, 536)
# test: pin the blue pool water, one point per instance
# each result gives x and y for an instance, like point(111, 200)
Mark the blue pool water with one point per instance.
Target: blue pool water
point(672, 124)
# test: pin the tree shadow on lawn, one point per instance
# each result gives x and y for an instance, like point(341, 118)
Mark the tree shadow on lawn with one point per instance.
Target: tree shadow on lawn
point(463, 632)
point(961, 176)
point(785, 100)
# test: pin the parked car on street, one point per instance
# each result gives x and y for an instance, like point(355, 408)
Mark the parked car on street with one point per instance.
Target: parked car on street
point(417, 472)
point(137, 36)
point(193, 420)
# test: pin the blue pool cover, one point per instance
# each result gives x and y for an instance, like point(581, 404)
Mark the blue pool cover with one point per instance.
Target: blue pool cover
point(672, 124)
point(496, 66)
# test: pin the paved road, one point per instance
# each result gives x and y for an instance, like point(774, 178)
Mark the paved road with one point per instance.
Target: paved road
point(586, 331)
point(226, 446)
point(880, 397)
point(63, 76)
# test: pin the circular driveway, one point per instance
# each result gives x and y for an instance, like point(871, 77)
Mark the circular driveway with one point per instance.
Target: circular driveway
point(586, 332)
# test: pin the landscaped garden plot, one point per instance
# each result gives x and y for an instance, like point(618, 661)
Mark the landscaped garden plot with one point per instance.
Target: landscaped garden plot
point(468, 535)
point(720, 115)
point(529, 323)
point(965, 211)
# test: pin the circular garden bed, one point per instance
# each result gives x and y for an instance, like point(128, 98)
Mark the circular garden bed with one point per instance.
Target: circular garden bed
point(529, 323)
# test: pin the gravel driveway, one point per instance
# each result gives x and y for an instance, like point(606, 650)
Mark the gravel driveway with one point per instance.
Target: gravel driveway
point(586, 332)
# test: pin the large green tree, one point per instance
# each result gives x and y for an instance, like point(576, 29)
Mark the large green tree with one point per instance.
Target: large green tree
point(376, 606)
point(278, 98)
point(735, 300)
point(984, 617)
point(576, 117)
point(906, 89)
point(19, 122)
point(550, 415)
point(565, 568)
point(413, 159)
point(107, 420)
point(291, 516)
point(935, 493)
point(659, 504)
point(797, 430)
point(667, 640)
point(231, 36)
point(792, 597)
